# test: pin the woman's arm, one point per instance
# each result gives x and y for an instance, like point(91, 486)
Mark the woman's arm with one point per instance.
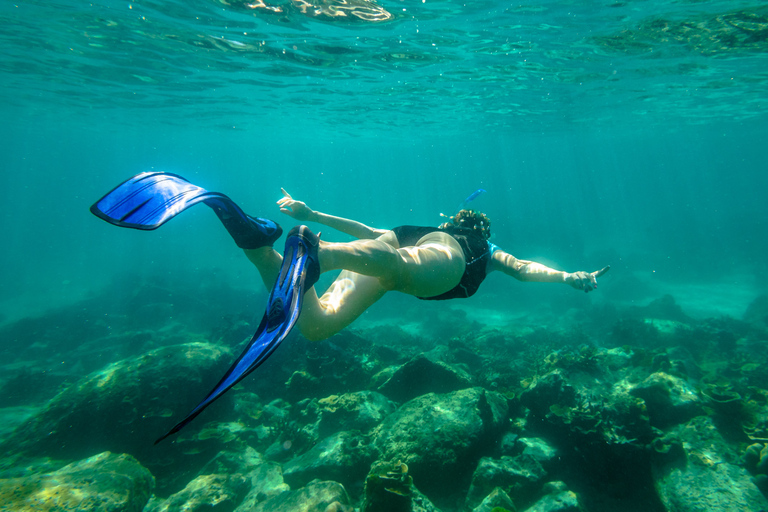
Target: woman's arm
point(524, 270)
point(300, 211)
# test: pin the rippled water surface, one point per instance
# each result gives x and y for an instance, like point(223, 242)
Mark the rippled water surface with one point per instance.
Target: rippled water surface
point(369, 64)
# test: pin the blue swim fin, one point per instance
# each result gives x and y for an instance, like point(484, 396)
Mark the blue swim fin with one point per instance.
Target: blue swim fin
point(299, 272)
point(150, 199)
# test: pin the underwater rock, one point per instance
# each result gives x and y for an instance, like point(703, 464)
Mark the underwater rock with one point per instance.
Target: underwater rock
point(756, 462)
point(665, 308)
point(343, 456)
point(301, 385)
point(508, 444)
point(123, 407)
point(389, 488)
point(333, 366)
point(520, 477)
point(215, 493)
point(422, 375)
point(440, 437)
point(104, 482)
point(266, 482)
point(669, 400)
point(551, 389)
point(228, 462)
point(360, 411)
point(317, 496)
point(558, 499)
point(707, 475)
point(496, 501)
point(616, 358)
point(757, 312)
point(539, 450)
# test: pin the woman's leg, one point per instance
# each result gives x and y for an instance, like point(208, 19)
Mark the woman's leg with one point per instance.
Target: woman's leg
point(267, 261)
point(373, 267)
point(370, 269)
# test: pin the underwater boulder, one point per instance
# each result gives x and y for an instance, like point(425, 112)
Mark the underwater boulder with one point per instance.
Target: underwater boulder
point(668, 399)
point(214, 493)
point(422, 375)
point(539, 450)
point(122, 408)
point(551, 389)
point(757, 312)
point(266, 482)
point(496, 501)
point(344, 456)
point(441, 437)
point(521, 477)
point(664, 308)
point(557, 499)
point(316, 496)
point(301, 385)
point(389, 488)
point(706, 475)
point(360, 411)
point(104, 482)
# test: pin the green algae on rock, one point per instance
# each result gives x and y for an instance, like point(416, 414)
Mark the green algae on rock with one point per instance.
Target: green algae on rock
point(104, 482)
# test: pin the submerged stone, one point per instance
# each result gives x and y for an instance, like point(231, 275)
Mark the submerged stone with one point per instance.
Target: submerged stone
point(317, 496)
point(539, 450)
point(343, 456)
point(359, 411)
point(496, 501)
point(214, 493)
point(421, 375)
point(266, 482)
point(521, 477)
point(104, 483)
point(389, 488)
point(707, 475)
point(441, 437)
point(558, 499)
point(123, 407)
point(669, 399)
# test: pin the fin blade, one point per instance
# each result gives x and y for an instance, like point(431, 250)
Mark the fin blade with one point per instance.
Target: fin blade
point(288, 294)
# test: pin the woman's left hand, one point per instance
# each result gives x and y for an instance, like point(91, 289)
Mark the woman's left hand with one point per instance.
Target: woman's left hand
point(586, 281)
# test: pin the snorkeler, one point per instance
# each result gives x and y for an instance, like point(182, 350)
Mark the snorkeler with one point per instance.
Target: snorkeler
point(431, 263)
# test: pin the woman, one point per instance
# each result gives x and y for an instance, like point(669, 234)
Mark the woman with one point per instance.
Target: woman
point(446, 262)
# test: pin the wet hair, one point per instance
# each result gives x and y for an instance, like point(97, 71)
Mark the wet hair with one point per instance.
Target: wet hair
point(470, 219)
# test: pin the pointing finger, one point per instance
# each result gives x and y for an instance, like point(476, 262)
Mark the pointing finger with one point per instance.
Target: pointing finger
point(601, 271)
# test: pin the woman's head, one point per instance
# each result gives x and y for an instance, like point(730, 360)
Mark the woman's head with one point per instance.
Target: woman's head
point(470, 219)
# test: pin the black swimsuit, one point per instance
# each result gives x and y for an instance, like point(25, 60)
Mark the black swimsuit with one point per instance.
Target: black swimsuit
point(476, 250)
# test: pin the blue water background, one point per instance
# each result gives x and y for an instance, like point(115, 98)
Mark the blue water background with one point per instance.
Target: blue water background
point(642, 152)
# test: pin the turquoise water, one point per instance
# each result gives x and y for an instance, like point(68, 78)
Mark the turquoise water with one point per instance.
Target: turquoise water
point(602, 131)
point(623, 133)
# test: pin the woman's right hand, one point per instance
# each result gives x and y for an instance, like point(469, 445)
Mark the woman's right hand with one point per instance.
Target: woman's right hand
point(296, 209)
